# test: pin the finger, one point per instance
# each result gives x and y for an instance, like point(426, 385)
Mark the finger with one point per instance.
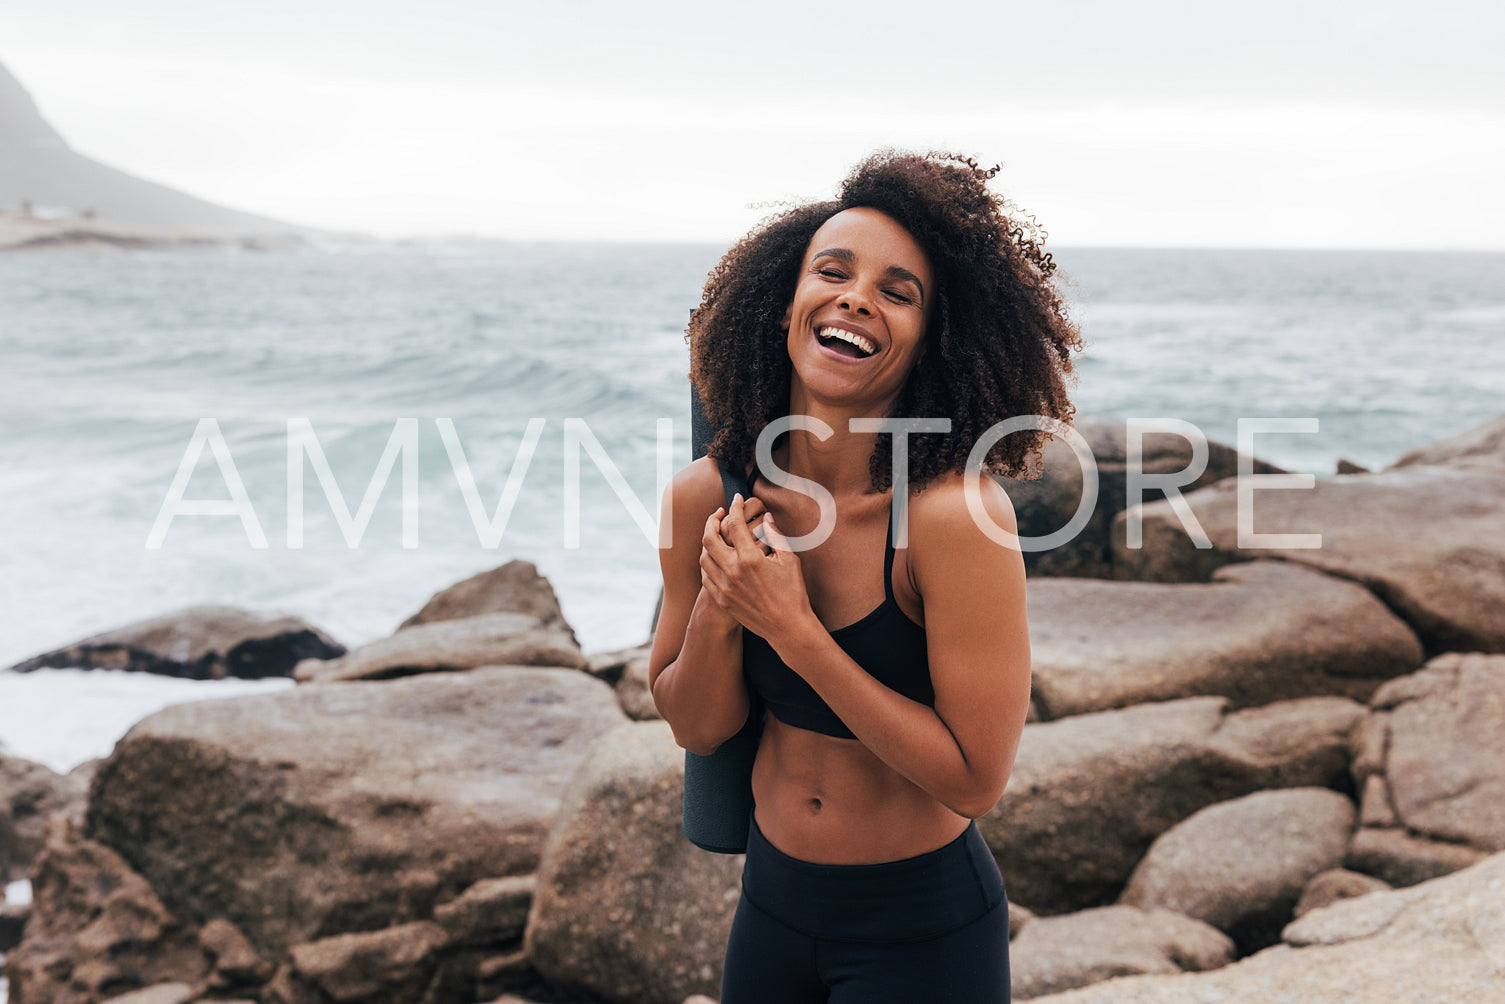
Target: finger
point(734, 529)
point(710, 538)
point(773, 537)
point(760, 534)
point(709, 577)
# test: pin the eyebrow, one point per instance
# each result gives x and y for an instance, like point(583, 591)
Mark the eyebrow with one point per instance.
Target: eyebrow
point(895, 271)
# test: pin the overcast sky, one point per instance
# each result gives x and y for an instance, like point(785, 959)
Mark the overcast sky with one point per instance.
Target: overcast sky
point(1277, 124)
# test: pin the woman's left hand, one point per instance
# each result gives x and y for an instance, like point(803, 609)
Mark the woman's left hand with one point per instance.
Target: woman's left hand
point(758, 582)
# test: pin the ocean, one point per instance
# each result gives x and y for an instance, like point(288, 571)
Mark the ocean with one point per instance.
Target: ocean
point(111, 362)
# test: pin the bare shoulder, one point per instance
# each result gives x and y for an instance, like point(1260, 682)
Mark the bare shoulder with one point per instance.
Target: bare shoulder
point(696, 489)
point(953, 507)
point(960, 525)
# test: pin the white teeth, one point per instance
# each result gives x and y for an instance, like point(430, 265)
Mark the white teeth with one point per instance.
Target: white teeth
point(866, 346)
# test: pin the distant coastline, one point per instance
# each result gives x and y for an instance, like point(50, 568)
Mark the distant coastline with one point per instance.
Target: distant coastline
point(20, 232)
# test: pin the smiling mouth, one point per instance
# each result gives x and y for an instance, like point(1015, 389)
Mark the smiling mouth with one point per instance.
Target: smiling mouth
point(848, 343)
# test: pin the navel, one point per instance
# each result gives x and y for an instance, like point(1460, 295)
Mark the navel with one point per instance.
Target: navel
point(814, 806)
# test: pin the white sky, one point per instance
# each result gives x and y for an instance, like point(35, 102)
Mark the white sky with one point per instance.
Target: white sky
point(1288, 123)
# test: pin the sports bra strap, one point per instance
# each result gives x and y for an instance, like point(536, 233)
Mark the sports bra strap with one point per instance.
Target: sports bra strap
point(733, 483)
point(888, 559)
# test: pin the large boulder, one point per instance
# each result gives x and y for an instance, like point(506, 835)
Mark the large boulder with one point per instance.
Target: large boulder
point(198, 643)
point(1440, 941)
point(29, 794)
point(513, 588)
point(1052, 954)
point(1481, 446)
point(97, 928)
point(1432, 765)
point(625, 907)
point(1090, 793)
point(1241, 865)
point(1259, 632)
point(447, 646)
point(1048, 503)
point(332, 809)
point(1428, 540)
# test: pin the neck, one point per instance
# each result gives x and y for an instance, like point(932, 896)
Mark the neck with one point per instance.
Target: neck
point(840, 462)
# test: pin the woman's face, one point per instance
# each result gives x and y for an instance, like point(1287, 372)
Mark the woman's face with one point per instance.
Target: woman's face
point(856, 324)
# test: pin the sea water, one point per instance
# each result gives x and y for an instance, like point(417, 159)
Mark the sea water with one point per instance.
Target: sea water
point(111, 362)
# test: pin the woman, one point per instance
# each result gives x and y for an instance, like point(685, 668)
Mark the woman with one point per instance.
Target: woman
point(890, 648)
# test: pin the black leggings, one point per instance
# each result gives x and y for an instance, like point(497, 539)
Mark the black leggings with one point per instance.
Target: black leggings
point(928, 928)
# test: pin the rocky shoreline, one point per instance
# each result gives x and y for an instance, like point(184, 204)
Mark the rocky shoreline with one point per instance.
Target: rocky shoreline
point(1249, 775)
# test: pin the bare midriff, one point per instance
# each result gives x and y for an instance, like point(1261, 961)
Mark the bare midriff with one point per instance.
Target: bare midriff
point(831, 801)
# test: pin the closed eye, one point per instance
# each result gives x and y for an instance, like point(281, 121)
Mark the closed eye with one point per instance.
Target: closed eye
point(831, 273)
point(899, 297)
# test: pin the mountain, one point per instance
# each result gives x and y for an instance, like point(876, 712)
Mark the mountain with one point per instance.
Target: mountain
point(38, 167)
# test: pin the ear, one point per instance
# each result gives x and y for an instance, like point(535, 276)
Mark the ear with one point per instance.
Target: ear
point(788, 316)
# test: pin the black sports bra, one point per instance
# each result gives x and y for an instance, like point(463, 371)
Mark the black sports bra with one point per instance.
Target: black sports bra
point(886, 643)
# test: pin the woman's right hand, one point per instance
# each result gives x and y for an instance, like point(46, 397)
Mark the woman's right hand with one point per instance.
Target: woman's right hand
point(751, 573)
point(714, 540)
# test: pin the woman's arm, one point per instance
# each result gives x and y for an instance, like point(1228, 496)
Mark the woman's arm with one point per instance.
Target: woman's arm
point(962, 750)
point(695, 669)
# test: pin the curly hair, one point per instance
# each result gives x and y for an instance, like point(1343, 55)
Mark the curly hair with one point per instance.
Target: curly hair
point(999, 341)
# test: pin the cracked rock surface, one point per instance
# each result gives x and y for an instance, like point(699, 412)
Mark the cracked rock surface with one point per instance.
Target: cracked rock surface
point(1443, 940)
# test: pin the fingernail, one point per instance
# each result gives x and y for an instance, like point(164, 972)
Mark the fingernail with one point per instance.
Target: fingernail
point(736, 497)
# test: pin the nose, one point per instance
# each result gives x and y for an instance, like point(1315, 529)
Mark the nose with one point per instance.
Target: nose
point(857, 302)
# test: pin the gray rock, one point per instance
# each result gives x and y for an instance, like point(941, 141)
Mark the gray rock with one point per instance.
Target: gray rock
point(1441, 941)
point(391, 966)
point(162, 993)
point(610, 666)
point(1060, 953)
point(236, 963)
point(29, 794)
point(1241, 865)
point(1259, 632)
point(97, 929)
point(328, 809)
point(1400, 859)
point(1018, 917)
point(497, 975)
point(513, 588)
point(634, 694)
point(626, 908)
point(1091, 792)
point(1048, 503)
point(1481, 446)
point(491, 912)
point(198, 643)
point(1428, 540)
point(448, 646)
point(1439, 766)
point(1334, 886)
